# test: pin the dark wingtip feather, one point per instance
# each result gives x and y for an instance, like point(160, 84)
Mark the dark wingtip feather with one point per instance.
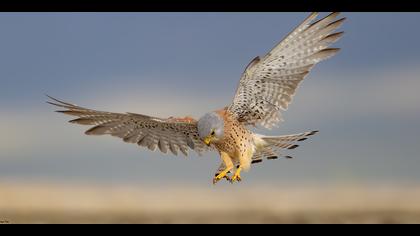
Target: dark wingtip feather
point(331, 15)
point(60, 103)
point(54, 99)
point(288, 157)
point(302, 139)
point(256, 161)
point(83, 121)
point(337, 22)
point(272, 157)
point(330, 50)
point(48, 96)
point(332, 38)
point(313, 133)
point(338, 34)
point(54, 104)
point(293, 147)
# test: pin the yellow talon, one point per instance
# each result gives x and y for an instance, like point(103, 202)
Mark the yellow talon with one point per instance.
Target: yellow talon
point(220, 176)
point(237, 175)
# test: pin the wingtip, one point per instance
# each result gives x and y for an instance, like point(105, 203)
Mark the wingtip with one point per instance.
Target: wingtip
point(313, 132)
point(339, 21)
point(332, 49)
point(314, 14)
point(311, 17)
point(334, 13)
point(52, 98)
point(51, 103)
point(58, 101)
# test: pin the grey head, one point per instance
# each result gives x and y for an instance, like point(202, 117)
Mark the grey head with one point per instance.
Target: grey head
point(210, 127)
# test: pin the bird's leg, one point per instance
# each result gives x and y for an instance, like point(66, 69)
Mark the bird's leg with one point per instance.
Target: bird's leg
point(244, 162)
point(229, 166)
point(237, 175)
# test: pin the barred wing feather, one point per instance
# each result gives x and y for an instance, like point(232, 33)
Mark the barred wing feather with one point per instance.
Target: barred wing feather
point(166, 134)
point(268, 84)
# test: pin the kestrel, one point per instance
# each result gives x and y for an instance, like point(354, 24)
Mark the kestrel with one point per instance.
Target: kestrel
point(266, 87)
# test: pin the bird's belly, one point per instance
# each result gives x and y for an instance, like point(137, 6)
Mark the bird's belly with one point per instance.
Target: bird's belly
point(237, 151)
point(229, 149)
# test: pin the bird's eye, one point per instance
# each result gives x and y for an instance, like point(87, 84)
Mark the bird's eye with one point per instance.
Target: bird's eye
point(212, 132)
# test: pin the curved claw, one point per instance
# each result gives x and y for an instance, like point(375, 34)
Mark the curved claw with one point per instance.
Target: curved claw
point(215, 180)
point(220, 176)
point(237, 176)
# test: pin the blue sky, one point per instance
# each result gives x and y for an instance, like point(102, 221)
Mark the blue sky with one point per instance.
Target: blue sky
point(364, 100)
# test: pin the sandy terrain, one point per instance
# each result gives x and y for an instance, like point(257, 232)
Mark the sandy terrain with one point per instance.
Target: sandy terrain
point(54, 203)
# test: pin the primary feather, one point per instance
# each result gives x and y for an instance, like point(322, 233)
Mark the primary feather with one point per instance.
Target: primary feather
point(268, 84)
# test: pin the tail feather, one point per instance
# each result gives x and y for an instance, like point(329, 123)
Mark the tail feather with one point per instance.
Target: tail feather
point(269, 147)
point(286, 141)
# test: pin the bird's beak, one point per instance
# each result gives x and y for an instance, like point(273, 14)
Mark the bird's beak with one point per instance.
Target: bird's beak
point(207, 140)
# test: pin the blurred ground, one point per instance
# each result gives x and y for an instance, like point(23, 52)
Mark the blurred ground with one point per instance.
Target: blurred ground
point(76, 203)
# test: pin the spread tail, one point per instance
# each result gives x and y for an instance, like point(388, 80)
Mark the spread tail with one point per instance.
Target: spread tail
point(270, 147)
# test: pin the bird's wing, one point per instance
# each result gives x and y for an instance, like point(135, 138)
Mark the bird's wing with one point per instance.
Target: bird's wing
point(269, 83)
point(173, 134)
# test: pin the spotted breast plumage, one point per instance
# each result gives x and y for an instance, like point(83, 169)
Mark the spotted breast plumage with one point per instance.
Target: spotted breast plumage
point(266, 88)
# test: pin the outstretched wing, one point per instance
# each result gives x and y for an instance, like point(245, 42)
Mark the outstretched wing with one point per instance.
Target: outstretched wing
point(269, 83)
point(173, 134)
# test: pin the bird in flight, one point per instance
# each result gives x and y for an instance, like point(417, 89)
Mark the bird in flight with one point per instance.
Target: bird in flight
point(265, 88)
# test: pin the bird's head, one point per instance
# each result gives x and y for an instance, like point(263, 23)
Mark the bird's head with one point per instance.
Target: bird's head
point(210, 127)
